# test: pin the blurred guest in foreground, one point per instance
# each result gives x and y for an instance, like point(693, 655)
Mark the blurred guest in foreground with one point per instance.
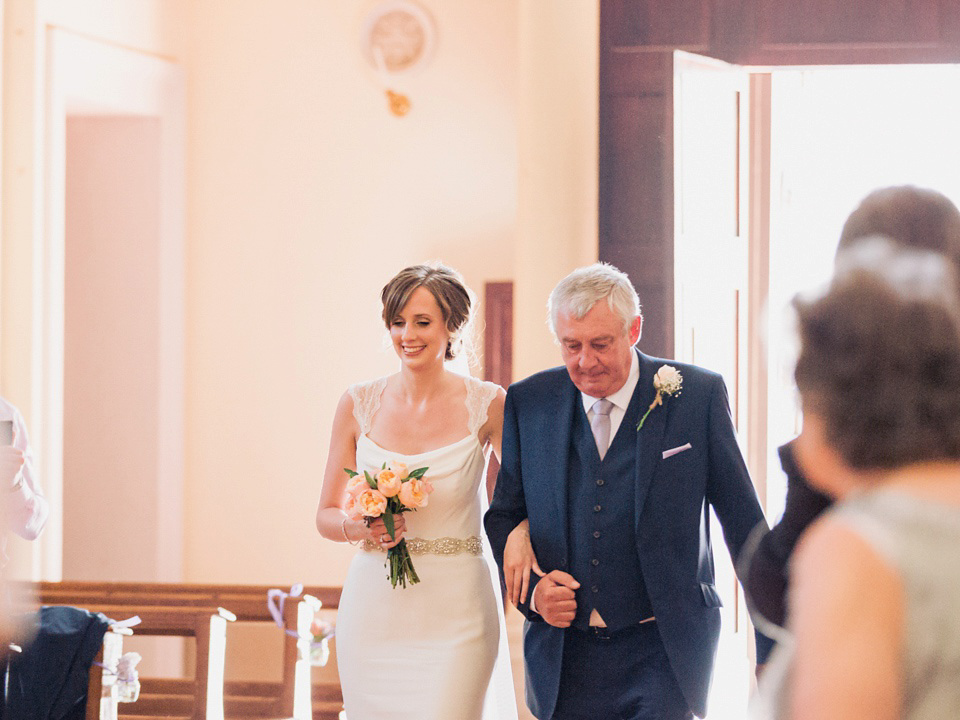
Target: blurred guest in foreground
point(24, 510)
point(912, 217)
point(25, 507)
point(873, 600)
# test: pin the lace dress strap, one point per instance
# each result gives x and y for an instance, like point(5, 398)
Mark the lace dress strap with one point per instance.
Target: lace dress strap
point(479, 396)
point(366, 401)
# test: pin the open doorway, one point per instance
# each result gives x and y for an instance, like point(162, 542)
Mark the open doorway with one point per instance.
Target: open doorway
point(837, 133)
point(767, 165)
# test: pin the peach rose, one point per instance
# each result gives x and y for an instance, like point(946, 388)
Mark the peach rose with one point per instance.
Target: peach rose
point(399, 468)
point(413, 493)
point(388, 482)
point(371, 503)
point(356, 485)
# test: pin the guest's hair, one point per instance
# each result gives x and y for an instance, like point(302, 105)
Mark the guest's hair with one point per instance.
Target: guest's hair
point(880, 357)
point(579, 291)
point(915, 217)
point(447, 288)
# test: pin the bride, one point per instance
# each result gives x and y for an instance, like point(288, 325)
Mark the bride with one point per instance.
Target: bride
point(428, 650)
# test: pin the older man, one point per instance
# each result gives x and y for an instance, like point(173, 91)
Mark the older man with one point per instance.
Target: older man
point(615, 461)
point(914, 218)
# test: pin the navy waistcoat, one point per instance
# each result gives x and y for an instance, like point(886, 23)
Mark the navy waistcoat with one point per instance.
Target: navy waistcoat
point(602, 530)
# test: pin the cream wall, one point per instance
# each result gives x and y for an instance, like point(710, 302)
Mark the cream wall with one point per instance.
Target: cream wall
point(155, 27)
point(558, 143)
point(149, 26)
point(31, 282)
point(306, 196)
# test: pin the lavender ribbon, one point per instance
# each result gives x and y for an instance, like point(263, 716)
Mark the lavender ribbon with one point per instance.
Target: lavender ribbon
point(275, 600)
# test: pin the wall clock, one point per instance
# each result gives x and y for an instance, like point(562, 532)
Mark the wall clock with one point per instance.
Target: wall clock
point(398, 37)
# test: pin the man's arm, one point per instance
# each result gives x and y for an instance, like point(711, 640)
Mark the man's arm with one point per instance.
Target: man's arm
point(767, 580)
point(508, 507)
point(730, 490)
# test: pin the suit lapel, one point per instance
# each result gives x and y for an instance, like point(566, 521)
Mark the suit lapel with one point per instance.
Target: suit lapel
point(558, 421)
point(650, 436)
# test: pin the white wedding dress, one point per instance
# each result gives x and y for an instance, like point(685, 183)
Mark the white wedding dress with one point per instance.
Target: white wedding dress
point(427, 651)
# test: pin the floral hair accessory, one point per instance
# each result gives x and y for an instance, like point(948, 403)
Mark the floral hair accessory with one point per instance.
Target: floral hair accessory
point(667, 381)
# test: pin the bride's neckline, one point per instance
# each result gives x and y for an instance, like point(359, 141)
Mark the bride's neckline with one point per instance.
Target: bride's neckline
point(448, 446)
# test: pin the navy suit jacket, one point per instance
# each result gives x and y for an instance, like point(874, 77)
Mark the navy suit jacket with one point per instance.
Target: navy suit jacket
point(671, 497)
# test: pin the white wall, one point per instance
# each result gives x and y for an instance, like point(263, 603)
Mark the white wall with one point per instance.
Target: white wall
point(558, 140)
point(154, 27)
point(306, 196)
point(35, 98)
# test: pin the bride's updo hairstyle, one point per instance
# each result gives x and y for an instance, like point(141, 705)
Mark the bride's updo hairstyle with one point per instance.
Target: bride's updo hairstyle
point(879, 360)
point(447, 288)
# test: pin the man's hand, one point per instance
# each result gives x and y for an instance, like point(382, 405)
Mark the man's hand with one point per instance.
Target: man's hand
point(11, 462)
point(554, 598)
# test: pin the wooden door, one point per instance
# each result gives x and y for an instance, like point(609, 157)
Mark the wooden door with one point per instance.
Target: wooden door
point(710, 228)
point(710, 283)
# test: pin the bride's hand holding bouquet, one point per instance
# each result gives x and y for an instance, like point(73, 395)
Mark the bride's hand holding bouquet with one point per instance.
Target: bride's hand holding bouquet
point(380, 500)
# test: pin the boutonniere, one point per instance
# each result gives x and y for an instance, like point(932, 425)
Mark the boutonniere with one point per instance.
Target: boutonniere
point(667, 381)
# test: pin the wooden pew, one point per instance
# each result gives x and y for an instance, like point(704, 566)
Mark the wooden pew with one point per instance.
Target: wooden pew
point(292, 697)
point(203, 698)
point(102, 696)
point(102, 691)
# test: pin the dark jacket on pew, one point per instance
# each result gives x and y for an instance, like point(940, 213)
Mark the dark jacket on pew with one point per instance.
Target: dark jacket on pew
point(48, 680)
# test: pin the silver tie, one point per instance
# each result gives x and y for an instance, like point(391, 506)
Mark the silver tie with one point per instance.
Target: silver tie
point(601, 425)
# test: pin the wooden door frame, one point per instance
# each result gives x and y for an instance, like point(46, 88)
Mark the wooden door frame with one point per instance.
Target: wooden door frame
point(637, 40)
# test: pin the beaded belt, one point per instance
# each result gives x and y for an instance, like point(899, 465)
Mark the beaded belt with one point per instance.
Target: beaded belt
point(439, 546)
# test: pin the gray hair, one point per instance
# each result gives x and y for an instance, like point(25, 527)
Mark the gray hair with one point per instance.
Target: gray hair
point(580, 290)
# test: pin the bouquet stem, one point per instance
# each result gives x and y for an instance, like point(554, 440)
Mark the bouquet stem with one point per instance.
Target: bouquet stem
point(400, 565)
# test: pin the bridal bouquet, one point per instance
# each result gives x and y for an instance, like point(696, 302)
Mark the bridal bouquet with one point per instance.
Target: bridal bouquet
point(393, 490)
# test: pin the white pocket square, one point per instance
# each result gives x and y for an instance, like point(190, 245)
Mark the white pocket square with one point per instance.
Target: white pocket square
point(673, 451)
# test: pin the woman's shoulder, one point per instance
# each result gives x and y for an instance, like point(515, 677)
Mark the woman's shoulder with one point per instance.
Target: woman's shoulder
point(365, 400)
point(834, 557)
point(481, 386)
point(483, 393)
point(484, 402)
point(367, 386)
